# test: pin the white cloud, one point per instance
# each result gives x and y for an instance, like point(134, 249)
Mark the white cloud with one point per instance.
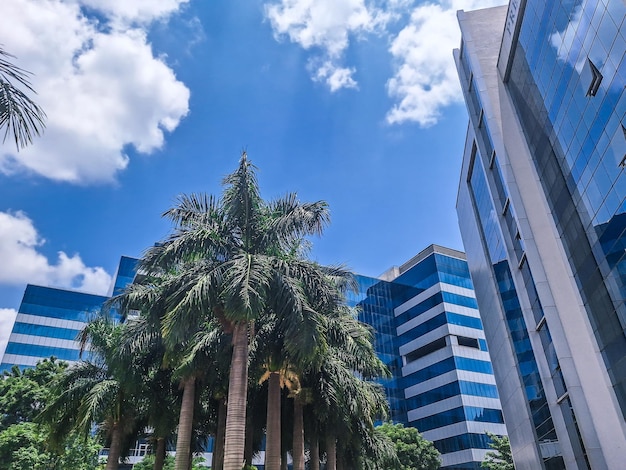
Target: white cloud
point(7, 318)
point(22, 262)
point(135, 10)
point(425, 79)
point(101, 86)
point(335, 77)
point(327, 26)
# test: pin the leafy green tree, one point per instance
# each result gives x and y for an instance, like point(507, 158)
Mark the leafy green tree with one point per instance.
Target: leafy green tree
point(500, 458)
point(24, 446)
point(21, 116)
point(79, 453)
point(24, 394)
point(412, 450)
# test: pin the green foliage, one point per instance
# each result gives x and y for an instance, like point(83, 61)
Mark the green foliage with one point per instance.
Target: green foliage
point(500, 457)
point(19, 114)
point(413, 451)
point(24, 394)
point(79, 454)
point(24, 444)
point(148, 463)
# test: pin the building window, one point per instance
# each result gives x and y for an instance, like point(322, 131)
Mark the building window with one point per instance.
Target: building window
point(425, 350)
point(593, 76)
point(507, 203)
point(468, 342)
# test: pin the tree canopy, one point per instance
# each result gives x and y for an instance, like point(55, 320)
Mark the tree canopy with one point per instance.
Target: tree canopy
point(500, 458)
point(25, 443)
point(413, 452)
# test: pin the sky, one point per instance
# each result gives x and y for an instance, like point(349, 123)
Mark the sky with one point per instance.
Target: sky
point(355, 102)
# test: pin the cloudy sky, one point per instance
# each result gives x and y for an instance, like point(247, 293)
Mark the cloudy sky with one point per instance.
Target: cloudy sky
point(354, 102)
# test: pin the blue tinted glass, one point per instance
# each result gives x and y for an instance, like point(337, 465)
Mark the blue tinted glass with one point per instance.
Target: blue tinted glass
point(47, 331)
point(42, 351)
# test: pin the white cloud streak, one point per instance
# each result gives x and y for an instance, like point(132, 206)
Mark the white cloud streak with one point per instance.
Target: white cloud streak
point(101, 86)
point(22, 262)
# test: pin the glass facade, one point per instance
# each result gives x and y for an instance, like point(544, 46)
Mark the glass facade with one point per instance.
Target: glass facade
point(376, 309)
point(542, 206)
point(421, 318)
point(49, 320)
point(578, 145)
point(517, 329)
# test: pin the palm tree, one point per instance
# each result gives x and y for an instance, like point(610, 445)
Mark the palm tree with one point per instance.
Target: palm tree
point(240, 242)
point(21, 115)
point(103, 390)
point(289, 345)
point(184, 350)
point(345, 400)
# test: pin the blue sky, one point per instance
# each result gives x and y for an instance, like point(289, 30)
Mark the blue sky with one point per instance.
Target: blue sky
point(354, 102)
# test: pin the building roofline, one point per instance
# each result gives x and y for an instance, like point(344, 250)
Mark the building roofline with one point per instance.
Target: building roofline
point(395, 271)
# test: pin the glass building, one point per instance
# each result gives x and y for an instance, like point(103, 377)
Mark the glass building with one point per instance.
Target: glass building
point(429, 333)
point(541, 207)
point(49, 320)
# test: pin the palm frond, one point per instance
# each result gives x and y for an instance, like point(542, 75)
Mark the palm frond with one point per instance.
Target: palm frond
point(102, 397)
point(246, 285)
point(22, 117)
point(242, 200)
point(290, 220)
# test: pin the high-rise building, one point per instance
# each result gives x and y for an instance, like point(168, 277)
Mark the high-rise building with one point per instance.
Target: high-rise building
point(541, 206)
point(429, 333)
point(49, 320)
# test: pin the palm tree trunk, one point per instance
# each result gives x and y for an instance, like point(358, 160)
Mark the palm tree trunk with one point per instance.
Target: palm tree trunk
point(218, 449)
point(159, 454)
point(237, 396)
point(115, 449)
point(298, 435)
point(185, 424)
point(314, 463)
point(273, 438)
point(331, 452)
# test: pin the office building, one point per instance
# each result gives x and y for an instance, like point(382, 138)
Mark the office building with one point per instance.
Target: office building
point(541, 208)
point(429, 333)
point(49, 320)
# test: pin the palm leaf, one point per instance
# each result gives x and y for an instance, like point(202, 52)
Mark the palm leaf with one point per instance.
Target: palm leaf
point(21, 116)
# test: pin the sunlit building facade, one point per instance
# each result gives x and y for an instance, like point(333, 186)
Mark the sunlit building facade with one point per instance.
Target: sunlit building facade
point(429, 333)
point(541, 204)
point(49, 320)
